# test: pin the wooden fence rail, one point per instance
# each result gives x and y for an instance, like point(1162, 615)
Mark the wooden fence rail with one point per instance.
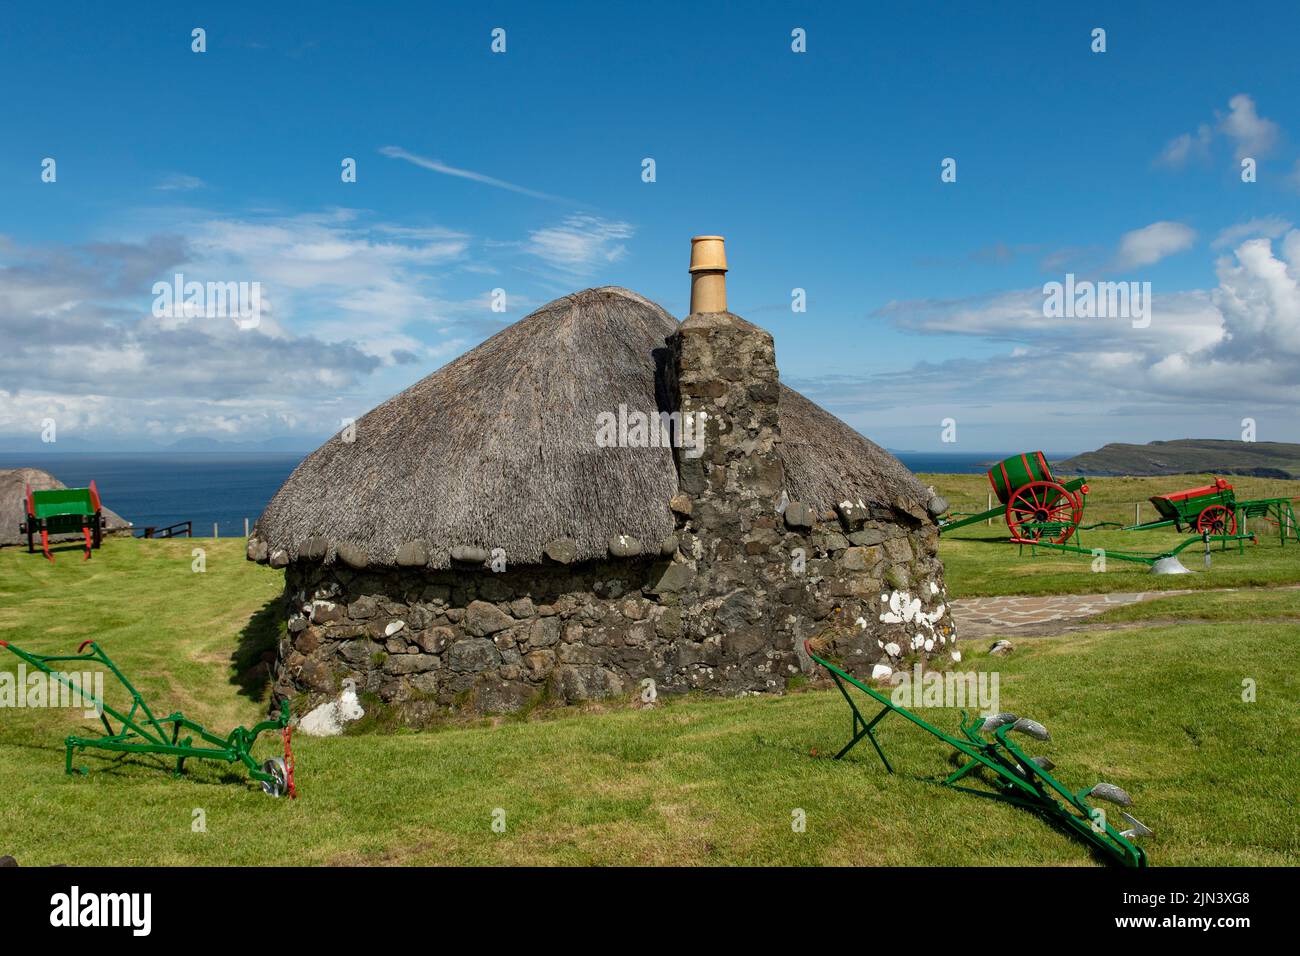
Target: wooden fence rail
point(171, 531)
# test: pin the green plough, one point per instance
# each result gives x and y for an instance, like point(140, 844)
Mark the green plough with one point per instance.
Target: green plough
point(140, 732)
point(1019, 778)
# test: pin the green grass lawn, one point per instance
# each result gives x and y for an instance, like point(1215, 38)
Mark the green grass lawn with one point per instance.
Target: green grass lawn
point(1156, 709)
point(978, 560)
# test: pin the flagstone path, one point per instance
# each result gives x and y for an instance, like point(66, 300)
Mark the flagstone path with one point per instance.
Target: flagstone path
point(1051, 613)
point(978, 617)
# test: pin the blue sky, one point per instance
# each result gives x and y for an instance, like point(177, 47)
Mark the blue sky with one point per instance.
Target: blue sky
point(821, 168)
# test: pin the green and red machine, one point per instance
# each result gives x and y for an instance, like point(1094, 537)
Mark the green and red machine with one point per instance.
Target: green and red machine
point(1038, 508)
point(1042, 511)
point(63, 511)
point(140, 732)
point(1215, 509)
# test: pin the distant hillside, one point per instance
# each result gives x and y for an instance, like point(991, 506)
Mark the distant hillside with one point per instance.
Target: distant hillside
point(1262, 459)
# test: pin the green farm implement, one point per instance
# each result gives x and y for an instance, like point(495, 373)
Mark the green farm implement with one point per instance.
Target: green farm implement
point(1018, 778)
point(1164, 562)
point(1215, 508)
point(63, 511)
point(140, 732)
point(1042, 511)
point(1038, 508)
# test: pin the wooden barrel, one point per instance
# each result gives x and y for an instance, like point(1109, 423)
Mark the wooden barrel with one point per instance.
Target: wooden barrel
point(1018, 471)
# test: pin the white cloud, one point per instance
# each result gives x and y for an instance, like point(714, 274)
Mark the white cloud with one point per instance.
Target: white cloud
point(1270, 227)
point(349, 280)
point(341, 301)
point(1150, 244)
point(1209, 355)
point(1260, 301)
point(1293, 178)
point(437, 166)
point(352, 311)
point(180, 182)
point(1181, 321)
point(580, 244)
point(1187, 146)
point(1252, 134)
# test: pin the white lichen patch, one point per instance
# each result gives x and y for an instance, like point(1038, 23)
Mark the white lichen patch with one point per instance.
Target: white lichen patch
point(905, 609)
point(328, 719)
point(902, 608)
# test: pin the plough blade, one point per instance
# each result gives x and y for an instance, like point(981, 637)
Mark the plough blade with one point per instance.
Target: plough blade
point(1031, 728)
point(997, 720)
point(1169, 565)
point(1137, 827)
point(1111, 793)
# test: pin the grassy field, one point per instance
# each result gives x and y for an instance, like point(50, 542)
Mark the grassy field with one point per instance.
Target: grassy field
point(978, 560)
point(1154, 707)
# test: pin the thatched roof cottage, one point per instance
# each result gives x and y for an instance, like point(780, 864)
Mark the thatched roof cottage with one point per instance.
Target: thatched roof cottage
point(596, 496)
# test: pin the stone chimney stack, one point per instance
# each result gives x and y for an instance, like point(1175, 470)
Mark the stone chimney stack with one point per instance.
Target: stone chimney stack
point(729, 524)
point(726, 377)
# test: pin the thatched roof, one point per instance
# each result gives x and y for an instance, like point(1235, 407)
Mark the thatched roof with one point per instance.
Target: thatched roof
point(497, 450)
point(13, 504)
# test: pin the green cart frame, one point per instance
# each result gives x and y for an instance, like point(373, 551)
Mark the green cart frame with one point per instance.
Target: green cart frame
point(140, 732)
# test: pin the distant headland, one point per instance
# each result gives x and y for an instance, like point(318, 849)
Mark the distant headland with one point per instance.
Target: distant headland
point(1189, 455)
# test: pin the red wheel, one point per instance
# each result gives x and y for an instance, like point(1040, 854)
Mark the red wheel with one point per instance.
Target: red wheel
point(1216, 519)
point(1043, 511)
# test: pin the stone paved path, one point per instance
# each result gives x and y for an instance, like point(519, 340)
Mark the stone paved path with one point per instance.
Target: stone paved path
point(978, 617)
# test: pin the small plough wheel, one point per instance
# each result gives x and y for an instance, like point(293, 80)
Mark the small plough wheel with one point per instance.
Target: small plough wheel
point(1043, 511)
point(1217, 519)
point(278, 785)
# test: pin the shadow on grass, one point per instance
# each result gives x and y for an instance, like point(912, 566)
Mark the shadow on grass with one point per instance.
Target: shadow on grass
point(124, 766)
point(255, 654)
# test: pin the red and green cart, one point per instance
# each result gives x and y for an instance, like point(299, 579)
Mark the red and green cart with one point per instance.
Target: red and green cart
point(63, 511)
point(1044, 511)
point(1039, 508)
point(1215, 509)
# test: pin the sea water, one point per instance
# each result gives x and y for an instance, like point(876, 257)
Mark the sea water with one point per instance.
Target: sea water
point(161, 489)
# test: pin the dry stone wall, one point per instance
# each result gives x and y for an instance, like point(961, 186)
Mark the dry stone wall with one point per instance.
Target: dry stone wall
point(487, 642)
